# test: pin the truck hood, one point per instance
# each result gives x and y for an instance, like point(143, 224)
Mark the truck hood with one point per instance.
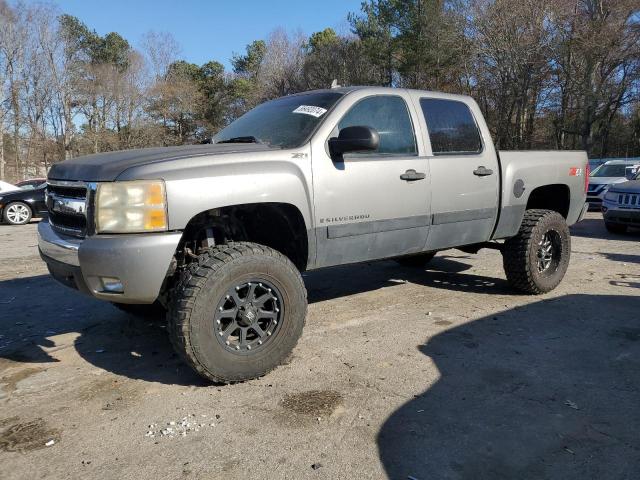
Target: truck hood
point(632, 186)
point(106, 167)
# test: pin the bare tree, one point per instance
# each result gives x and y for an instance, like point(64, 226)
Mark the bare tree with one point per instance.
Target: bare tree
point(161, 50)
point(513, 42)
point(6, 16)
point(597, 68)
point(281, 70)
point(61, 54)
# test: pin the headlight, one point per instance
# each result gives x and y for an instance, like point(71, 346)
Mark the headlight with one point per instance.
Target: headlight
point(131, 207)
point(611, 196)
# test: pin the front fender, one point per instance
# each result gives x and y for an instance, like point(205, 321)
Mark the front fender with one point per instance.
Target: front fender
point(226, 185)
point(196, 184)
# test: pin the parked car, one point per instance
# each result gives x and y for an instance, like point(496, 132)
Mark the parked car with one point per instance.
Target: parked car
point(621, 204)
point(19, 206)
point(220, 233)
point(607, 174)
point(7, 187)
point(32, 183)
point(595, 163)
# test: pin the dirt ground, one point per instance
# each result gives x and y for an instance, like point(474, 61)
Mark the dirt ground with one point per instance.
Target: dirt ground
point(400, 373)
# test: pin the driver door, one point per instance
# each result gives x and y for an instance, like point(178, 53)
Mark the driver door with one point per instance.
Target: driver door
point(366, 207)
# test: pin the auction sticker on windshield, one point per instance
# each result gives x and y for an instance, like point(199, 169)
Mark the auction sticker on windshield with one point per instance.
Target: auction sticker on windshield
point(310, 110)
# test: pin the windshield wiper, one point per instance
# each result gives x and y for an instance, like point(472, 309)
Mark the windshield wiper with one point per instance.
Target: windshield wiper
point(247, 139)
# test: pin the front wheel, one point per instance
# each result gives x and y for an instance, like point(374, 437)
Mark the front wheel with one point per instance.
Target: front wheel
point(237, 312)
point(536, 259)
point(17, 213)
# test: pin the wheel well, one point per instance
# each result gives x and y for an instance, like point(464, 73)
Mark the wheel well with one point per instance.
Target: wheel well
point(551, 197)
point(276, 225)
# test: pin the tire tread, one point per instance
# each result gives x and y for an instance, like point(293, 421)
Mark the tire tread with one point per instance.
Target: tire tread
point(516, 250)
point(189, 285)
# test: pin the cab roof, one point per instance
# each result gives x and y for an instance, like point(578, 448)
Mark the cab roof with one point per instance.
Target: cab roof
point(375, 89)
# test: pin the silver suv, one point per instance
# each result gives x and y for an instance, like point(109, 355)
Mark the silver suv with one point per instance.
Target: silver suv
point(621, 205)
point(605, 176)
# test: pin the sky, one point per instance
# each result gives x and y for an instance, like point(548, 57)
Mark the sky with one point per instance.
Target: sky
point(210, 30)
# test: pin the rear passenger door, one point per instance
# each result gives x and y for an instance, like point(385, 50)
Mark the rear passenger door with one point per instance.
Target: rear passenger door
point(464, 174)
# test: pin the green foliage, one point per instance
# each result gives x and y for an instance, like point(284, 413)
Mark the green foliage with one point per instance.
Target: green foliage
point(111, 49)
point(418, 43)
point(247, 65)
point(327, 38)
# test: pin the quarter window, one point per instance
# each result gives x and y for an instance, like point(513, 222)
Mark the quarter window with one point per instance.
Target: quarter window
point(389, 115)
point(452, 128)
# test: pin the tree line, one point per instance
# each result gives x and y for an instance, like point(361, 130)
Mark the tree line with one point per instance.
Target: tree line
point(561, 74)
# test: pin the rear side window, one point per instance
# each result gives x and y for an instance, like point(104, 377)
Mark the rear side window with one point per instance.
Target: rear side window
point(388, 114)
point(452, 128)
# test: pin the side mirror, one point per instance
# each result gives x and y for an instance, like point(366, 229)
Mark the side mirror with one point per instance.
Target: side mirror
point(354, 139)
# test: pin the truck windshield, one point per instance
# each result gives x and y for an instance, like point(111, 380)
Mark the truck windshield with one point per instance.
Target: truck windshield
point(285, 122)
point(611, 170)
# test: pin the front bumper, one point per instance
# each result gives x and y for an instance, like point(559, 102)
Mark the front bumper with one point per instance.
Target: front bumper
point(626, 216)
point(139, 261)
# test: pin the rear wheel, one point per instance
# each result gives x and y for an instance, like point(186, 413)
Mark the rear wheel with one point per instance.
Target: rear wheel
point(17, 213)
point(420, 260)
point(615, 227)
point(237, 312)
point(536, 259)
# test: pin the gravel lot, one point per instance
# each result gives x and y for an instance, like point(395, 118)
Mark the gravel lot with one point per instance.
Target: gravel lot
point(400, 373)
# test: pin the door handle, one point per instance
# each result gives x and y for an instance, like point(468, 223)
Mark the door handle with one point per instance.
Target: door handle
point(411, 176)
point(481, 171)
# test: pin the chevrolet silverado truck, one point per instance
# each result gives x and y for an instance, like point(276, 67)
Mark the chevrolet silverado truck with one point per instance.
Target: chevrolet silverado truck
point(218, 234)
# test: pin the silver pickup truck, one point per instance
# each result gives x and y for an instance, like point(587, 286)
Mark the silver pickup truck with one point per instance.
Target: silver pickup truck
point(218, 234)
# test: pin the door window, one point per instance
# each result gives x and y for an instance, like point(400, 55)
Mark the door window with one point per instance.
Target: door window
point(452, 128)
point(389, 115)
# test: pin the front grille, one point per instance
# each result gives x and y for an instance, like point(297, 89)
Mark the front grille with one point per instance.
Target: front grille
point(629, 199)
point(67, 204)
